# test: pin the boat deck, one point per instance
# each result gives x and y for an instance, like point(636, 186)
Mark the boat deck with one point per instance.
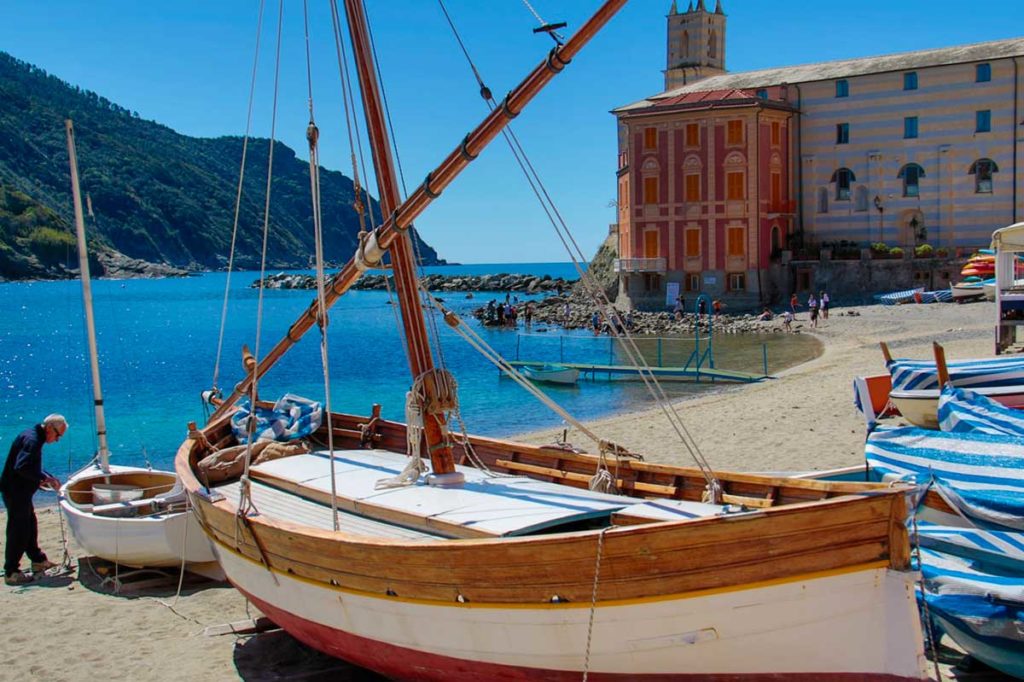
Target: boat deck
point(298, 489)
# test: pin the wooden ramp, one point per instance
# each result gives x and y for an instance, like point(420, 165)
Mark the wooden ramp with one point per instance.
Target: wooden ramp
point(683, 373)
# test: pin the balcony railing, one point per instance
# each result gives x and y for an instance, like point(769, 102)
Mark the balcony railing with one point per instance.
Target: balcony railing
point(640, 265)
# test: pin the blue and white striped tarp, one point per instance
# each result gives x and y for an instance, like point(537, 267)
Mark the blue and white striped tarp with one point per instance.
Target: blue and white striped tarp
point(998, 551)
point(912, 375)
point(962, 410)
point(896, 297)
point(940, 296)
point(980, 475)
point(981, 608)
point(291, 417)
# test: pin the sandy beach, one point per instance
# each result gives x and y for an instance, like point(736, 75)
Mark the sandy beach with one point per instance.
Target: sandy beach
point(72, 627)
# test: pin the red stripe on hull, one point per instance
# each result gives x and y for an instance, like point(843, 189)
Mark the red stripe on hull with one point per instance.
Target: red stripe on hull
point(400, 663)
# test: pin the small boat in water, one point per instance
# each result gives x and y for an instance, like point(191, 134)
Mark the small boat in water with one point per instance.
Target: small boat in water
point(551, 374)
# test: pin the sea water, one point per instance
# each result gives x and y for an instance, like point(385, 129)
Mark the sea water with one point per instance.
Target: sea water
point(158, 341)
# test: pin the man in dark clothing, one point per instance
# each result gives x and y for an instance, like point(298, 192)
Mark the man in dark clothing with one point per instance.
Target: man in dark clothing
point(23, 475)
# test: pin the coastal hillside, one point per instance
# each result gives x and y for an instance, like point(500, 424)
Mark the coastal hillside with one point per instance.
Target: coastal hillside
point(157, 195)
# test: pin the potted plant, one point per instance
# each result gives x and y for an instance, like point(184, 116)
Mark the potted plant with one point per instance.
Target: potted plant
point(923, 251)
point(880, 250)
point(942, 252)
point(896, 252)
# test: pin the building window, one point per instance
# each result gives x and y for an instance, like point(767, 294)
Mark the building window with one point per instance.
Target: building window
point(776, 132)
point(909, 127)
point(822, 200)
point(910, 80)
point(651, 190)
point(692, 281)
point(776, 193)
point(734, 241)
point(911, 175)
point(734, 132)
point(692, 135)
point(762, 93)
point(734, 186)
point(692, 243)
point(860, 198)
point(652, 282)
point(693, 187)
point(842, 88)
point(842, 178)
point(983, 121)
point(982, 170)
point(737, 281)
point(982, 73)
point(650, 138)
point(842, 133)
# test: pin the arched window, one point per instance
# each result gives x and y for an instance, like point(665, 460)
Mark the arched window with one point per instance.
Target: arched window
point(776, 240)
point(823, 200)
point(713, 45)
point(684, 45)
point(911, 175)
point(982, 170)
point(842, 179)
point(860, 198)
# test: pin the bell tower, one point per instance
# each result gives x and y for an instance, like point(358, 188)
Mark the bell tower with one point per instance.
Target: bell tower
point(696, 44)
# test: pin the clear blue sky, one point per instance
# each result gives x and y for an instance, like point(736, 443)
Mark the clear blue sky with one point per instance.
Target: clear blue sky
point(186, 64)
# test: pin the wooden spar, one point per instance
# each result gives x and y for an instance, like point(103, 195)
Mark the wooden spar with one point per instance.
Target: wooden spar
point(941, 370)
point(421, 360)
point(103, 453)
point(400, 220)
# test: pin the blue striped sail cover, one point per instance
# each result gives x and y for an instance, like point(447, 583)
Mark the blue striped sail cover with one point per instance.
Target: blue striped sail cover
point(912, 375)
point(981, 475)
point(994, 551)
point(940, 296)
point(962, 410)
point(905, 296)
point(291, 417)
point(980, 607)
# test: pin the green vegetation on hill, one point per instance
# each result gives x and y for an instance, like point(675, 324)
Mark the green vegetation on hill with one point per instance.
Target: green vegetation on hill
point(157, 195)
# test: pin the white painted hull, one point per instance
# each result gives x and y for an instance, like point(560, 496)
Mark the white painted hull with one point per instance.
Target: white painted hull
point(154, 541)
point(552, 375)
point(859, 624)
point(920, 408)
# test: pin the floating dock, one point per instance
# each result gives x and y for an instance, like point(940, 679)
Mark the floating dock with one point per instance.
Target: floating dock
point(697, 374)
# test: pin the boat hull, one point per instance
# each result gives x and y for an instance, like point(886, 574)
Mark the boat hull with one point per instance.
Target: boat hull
point(920, 408)
point(552, 374)
point(157, 540)
point(831, 626)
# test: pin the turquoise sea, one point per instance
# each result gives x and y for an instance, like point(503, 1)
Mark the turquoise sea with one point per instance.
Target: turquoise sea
point(158, 339)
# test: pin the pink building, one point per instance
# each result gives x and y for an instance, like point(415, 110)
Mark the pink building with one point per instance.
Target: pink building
point(705, 194)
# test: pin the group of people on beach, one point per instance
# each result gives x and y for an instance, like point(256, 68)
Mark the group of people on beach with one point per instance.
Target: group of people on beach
point(817, 307)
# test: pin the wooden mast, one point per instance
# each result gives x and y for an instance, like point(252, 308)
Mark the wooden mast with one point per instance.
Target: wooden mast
point(421, 360)
point(436, 181)
point(103, 453)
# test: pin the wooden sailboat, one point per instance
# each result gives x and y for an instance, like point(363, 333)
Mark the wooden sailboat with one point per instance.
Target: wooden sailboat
point(504, 564)
point(133, 516)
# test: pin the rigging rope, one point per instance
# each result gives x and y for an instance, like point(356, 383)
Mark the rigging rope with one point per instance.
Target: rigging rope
point(238, 198)
point(245, 503)
point(313, 137)
point(593, 290)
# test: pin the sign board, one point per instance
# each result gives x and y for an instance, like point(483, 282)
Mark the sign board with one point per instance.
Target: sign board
point(710, 280)
point(671, 294)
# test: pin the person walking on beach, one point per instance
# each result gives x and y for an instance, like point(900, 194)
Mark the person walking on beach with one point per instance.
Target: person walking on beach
point(812, 307)
point(787, 321)
point(823, 304)
point(794, 303)
point(22, 476)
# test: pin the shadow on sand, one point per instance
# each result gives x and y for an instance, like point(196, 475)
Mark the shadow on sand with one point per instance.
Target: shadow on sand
point(276, 655)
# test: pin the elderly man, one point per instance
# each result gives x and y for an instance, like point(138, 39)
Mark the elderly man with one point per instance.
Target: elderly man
point(23, 475)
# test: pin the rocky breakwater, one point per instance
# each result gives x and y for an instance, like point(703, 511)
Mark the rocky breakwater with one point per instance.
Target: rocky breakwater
point(576, 312)
point(526, 284)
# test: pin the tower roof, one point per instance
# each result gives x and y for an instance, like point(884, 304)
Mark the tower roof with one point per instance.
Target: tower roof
point(701, 7)
point(718, 7)
point(673, 9)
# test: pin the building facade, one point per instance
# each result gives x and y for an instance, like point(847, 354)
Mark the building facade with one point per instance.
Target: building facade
point(724, 177)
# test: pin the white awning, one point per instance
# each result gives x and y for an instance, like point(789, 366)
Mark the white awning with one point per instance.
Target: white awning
point(1009, 238)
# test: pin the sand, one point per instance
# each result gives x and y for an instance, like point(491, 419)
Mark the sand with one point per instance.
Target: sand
point(73, 628)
